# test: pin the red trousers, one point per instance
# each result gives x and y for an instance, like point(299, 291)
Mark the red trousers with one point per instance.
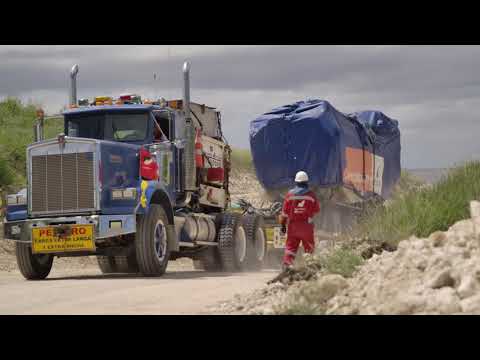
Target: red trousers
point(298, 232)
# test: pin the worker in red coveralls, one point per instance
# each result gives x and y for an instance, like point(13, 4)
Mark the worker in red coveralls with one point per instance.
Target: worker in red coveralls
point(299, 208)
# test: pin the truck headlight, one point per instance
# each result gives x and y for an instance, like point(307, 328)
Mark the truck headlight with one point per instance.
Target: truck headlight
point(124, 194)
point(16, 200)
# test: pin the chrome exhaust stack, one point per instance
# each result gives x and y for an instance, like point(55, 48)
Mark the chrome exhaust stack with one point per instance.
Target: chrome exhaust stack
point(38, 126)
point(73, 85)
point(190, 170)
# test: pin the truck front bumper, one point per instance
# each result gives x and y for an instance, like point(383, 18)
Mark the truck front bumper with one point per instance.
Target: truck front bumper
point(105, 226)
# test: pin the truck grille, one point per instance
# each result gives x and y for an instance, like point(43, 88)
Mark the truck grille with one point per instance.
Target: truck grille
point(62, 183)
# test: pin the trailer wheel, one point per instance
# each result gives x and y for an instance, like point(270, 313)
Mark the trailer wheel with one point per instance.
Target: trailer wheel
point(232, 242)
point(256, 241)
point(106, 264)
point(32, 266)
point(151, 244)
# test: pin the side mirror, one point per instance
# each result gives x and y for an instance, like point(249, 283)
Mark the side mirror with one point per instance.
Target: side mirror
point(148, 166)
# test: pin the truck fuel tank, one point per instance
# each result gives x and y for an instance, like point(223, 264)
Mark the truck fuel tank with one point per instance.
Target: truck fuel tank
point(195, 228)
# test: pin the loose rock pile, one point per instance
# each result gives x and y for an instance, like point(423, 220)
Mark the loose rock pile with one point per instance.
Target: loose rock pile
point(436, 275)
point(296, 284)
point(244, 184)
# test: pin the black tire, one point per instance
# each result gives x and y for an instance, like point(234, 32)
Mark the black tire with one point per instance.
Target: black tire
point(197, 265)
point(149, 263)
point(126, 264)
point(106, 264)
point(208, 259)
point(256, 241)
point(231, 246)
point(32, 266)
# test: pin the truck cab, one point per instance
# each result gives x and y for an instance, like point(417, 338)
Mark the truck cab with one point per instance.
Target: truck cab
point(133, 182)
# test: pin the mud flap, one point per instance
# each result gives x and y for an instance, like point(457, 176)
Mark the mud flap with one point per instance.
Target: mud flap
point(173, 244)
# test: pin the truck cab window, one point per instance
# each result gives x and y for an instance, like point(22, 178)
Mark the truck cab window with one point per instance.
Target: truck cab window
point(163, 119)
point(108, 126)
point(126, 127)
point(85, 126)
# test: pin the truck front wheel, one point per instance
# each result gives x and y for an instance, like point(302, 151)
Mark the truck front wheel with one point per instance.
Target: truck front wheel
point(106, 264)
point(32, 266)
point(151, 243)
point(126, 264)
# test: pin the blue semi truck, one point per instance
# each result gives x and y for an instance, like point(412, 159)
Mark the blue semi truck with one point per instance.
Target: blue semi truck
point(134, 183)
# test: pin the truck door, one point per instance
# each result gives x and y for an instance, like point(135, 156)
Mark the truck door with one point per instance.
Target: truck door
point(165, 151)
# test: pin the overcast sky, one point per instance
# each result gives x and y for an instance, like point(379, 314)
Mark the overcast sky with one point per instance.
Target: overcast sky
point(433, 91)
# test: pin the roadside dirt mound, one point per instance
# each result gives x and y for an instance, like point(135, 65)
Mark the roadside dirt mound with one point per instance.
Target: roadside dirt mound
point(436, 275)
point(7, 255)
point(244, 184)
point(280, 289)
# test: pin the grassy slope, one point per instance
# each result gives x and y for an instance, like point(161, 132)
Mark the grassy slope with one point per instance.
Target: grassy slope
point(422, 211)
point(242, 159)
point(414, 210)
point(16, 132)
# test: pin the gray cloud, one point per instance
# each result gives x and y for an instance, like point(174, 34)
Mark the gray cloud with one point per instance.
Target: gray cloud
point(434, 91)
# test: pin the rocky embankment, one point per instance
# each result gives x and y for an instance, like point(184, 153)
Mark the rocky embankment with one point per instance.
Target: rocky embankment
point(435, 275)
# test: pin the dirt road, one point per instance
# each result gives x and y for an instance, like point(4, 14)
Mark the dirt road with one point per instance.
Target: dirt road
point(87, 291)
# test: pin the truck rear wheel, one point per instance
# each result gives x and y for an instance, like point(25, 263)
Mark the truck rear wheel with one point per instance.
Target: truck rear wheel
point(256, 241)
point(32, 266)
point(232, 242)
point(152, 244)
point(106, 264)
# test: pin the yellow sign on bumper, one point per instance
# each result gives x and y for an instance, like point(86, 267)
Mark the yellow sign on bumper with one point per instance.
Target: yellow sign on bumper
point(57, 239)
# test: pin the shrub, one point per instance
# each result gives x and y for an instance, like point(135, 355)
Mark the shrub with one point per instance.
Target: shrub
point(423, 211)
point(342, 262)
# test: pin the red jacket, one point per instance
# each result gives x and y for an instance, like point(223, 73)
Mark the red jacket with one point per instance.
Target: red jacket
point(299, 208)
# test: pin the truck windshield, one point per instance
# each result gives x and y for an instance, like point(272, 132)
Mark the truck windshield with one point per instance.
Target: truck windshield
point(108, 126)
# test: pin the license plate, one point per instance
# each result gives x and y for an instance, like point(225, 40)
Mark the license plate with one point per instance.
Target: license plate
point(56, 239)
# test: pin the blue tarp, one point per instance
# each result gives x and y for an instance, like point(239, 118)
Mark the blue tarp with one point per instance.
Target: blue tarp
point(313, 136)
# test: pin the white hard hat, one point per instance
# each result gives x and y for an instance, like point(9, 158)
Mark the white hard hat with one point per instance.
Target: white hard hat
point(301, 176)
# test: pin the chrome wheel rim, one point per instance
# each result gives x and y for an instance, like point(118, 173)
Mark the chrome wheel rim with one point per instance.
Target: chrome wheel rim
point(240, 244)
point(160, 240)
point(260, 244)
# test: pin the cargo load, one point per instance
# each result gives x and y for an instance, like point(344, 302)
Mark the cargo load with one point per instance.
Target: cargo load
point(385, 137)
point(348, 158)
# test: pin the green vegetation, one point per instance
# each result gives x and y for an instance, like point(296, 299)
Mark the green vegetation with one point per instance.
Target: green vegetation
point(303, 301)
point(310, 297)
point(241, 159)
point(342, 262)
point(422, 211)
point(16, 132)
